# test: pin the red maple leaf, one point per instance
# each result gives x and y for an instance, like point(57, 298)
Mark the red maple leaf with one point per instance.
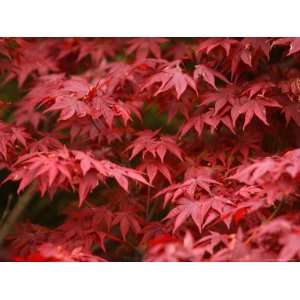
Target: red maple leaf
point(195, 179)
point(171, 77)
point(260, 87)
point(142, 47)
point(52, 169)
point(62, 169)
point(33, 57)
point(94, 170)
point(208, 74)
point(210, 44)
point(188, 208)
point(149, 142)
point(252, 107)
point(128, 219)
point(11, 138)
point(152, 168)
point(70, 107)
point(291, 112)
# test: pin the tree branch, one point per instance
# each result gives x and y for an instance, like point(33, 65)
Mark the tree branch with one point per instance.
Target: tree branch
point(16, 212)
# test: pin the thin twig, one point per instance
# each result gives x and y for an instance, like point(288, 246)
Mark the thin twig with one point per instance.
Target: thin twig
point(148, 203)
point(6, 210)
point(152, 211)
point(16, 212)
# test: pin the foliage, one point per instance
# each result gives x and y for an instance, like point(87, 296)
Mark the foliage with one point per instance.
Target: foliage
point(157, 149)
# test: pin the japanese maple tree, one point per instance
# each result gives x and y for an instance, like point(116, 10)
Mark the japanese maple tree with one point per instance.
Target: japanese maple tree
point(150, 149)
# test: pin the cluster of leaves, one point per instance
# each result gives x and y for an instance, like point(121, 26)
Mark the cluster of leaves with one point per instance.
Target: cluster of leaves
point(160, 149)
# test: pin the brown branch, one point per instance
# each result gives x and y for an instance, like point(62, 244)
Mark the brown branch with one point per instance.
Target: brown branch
point(6, 210)
point(16, 212)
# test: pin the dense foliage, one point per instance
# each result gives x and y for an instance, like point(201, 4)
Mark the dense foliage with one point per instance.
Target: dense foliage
point(151, 149)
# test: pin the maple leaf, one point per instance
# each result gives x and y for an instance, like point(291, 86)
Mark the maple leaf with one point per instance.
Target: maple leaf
point(277, 175)
point(189, 208)
point(176, 107)
point(74, 97)
point(148, 142)
point(208, 74)
point(197, 122)
point(93, 130)
point(291, 112)
point(252, 107)
point(92, 169)
point(258, 88)
point(128, 219)
point(170, 77)
point(51, 169)
point(121, 75)
point(33, 57)
point(45, 144)
point(221, 99)
point(98, 49)
point(197, 178)
point(107, 169)
point(203, 211)
point(152, 168)
point(210, 44)
point(46, 87)
point(241, 55)
point(208, 118)
point(69, 107)
point(64, 95)
point(85, 228)
point(247, 51)
point(51, 86)
point(230, 99)
point(12, 137)
point(144, 46)
point(274, 166)
point(251, 174)
point(54, 169)
point(242, 146)
point(118, 74)
point(108, 108)
point(258, 46)
point(87, 184)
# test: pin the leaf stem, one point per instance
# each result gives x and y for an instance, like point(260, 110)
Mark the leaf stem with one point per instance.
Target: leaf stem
point(148, 203)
